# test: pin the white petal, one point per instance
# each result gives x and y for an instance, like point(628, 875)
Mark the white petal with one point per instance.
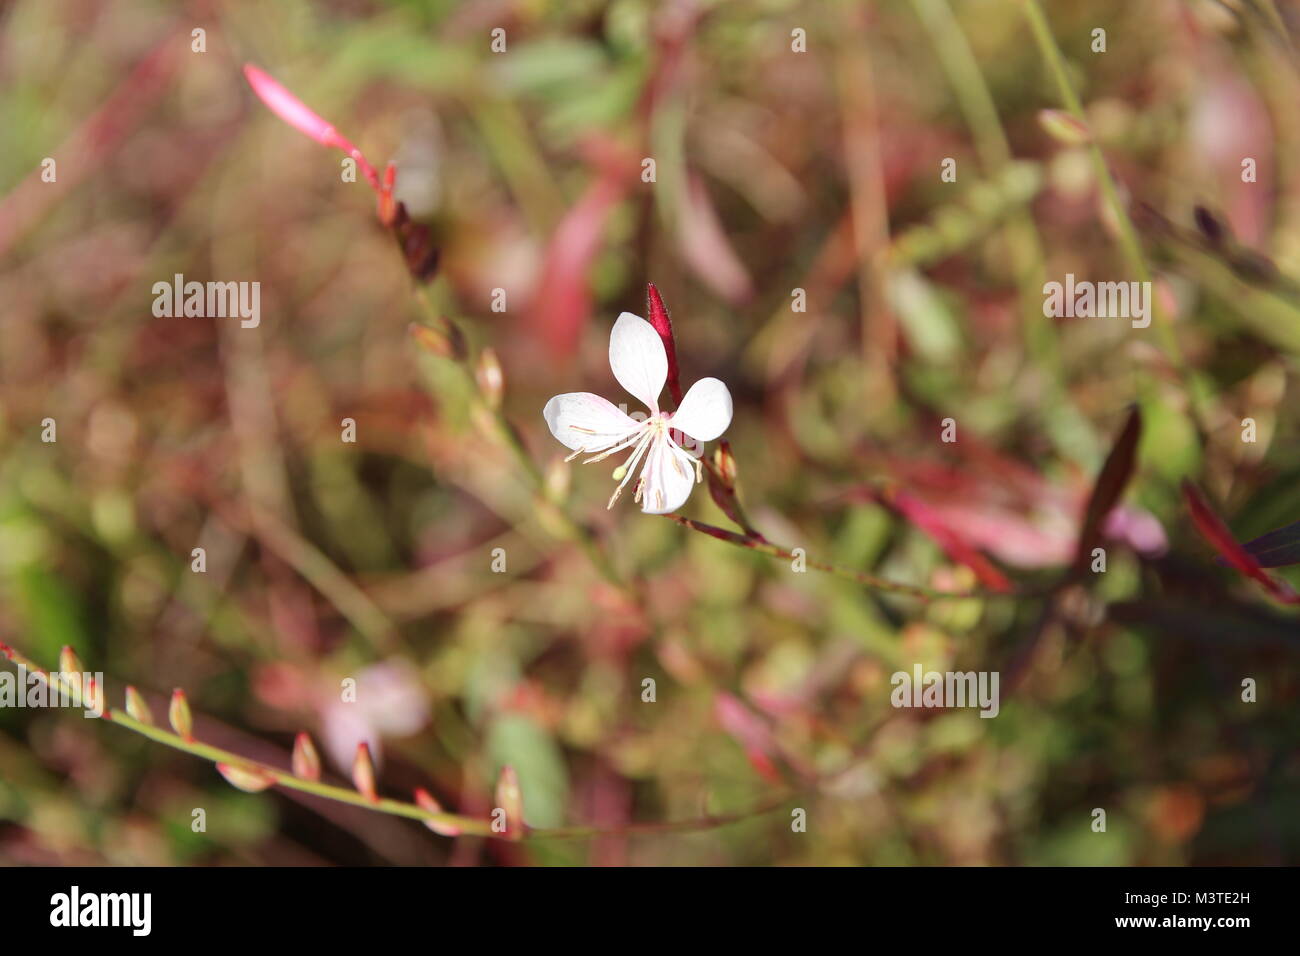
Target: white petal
point(588, 422)
point(705, 412)
point(637, 356)
point(669, 477)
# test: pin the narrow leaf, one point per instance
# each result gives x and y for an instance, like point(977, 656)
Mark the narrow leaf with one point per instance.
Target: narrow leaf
point(1106, 493)
point(1217, 534)
point(1278, 548)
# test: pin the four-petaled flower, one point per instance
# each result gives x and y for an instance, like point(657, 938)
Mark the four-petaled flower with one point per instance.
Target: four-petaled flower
point(589, 424)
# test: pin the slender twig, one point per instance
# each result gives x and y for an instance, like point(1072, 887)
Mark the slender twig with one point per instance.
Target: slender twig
point(469, 826)
point(1128, 235)
point(861, 577)
point(509, 438)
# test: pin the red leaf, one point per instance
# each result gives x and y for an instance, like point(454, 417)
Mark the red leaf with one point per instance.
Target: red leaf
point(750, 732)
point(705, 247)
point(955, 546)
point(1217, 534)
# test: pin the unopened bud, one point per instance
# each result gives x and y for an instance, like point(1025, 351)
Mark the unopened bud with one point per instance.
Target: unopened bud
point(511, 799)
point(363, 773)
point(424, 800)
point(490, 378)
point(1064, 127)
point(70, 667)
point(179, 714)
point(248, 779)
point(306, 761)
point(443, 339)
point(725, 463)
point(137, 708)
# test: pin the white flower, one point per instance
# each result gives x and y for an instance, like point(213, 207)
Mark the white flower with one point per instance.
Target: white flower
point(590, 425)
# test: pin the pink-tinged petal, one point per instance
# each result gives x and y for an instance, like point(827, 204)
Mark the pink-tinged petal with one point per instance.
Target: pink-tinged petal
point(638, 359)
point(705, 412)
point(289, 108)
point(705, 247)
point(296, 113)
point(669, 477)
point(562, 302)
point(587, 422)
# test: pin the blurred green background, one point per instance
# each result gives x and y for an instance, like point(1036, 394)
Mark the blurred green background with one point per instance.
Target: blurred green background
point(775, 171)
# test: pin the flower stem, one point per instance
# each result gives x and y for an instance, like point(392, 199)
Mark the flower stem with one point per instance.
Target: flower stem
point(509, 437)
point(468, 826)
point(1128, 236)
point(861, 577)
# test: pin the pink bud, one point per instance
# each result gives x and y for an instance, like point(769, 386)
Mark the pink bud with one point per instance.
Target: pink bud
point(363, 773)
point(136, 707)
point(294, 112)
point(248, 779)
point(663, 325)
point(179, 715)
point(306, 761)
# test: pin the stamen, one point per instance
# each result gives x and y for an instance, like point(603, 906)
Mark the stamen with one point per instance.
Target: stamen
point(632, 438)
point(644, 443)
point(580, 451)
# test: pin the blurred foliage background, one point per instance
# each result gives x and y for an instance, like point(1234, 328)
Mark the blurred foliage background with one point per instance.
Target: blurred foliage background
point(776, 171)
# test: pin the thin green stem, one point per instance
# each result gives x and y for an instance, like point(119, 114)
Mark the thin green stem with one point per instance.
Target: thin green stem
point(509, 438)
point(860, 577)
point(468, 826)
point(1128, 236)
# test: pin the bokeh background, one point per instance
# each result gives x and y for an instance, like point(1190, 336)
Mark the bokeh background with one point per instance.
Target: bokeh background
point(776, 170)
